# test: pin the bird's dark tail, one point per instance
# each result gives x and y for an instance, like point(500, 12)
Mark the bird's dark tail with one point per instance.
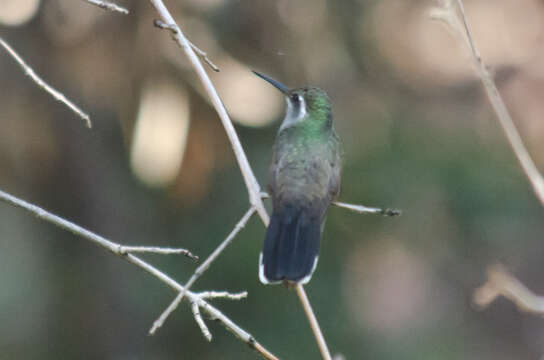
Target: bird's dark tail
point(291, 245)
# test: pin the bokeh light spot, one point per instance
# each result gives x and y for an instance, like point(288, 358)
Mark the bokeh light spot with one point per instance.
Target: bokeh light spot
point(17, 12)
point(160, 133)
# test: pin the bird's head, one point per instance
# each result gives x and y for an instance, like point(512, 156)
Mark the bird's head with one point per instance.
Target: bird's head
point(306, 105)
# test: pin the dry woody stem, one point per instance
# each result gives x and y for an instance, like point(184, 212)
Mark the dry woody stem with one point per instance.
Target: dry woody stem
point(455, 17)
point(253, 187)
point(201, 269)
point(107, 5)
point(501, 283)
point(157, 250)
point(194, 298)
point(41, 83)
point(199, 52)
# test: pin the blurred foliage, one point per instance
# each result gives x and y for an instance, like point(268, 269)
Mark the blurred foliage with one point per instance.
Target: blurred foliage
point(418, 132)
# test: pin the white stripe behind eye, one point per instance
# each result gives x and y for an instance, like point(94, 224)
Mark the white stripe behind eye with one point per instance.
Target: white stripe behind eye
point(302, 108)
point(294, 114)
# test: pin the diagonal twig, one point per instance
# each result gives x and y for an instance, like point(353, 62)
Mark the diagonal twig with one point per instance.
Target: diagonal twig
point(57, 95)
point(199, 52)
point(113, 247)
point(107, 5)
point(212, 295)
point(447, 12)
point(247, 173)
point(201, 269)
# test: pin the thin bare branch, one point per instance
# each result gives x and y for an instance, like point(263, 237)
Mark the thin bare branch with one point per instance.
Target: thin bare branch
point(107, 5)
point(501, 283)
point(199, 52)
point(198, 318)
point(201, 269)
point(249, 178)
point(222, 295)
point(57, 95)
point(253, 187)
point(213, 312)
point(322, 344)
point(361, 209)
point(448, 13)
point(157, 250)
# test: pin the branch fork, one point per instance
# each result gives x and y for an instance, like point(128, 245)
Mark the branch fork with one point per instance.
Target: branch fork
point(174, 28)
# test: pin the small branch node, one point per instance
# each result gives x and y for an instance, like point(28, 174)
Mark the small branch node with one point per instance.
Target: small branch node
point(391, 212)
point(175, 31)
point(202, 268)
point(164, 26)
point(204, 57)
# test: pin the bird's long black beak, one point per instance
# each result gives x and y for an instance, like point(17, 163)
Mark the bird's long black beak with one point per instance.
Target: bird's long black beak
point(284, 89)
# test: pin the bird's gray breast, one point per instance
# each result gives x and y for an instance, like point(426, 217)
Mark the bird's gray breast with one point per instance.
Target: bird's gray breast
point(302, 172)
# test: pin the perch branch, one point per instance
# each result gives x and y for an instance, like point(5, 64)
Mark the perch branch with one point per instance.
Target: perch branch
point(251, 183)
point(106, 5)
point(57, 95)
point(201, 269)
point(325, 354)
point(501, 283)
point(447, 12)
point(213, 312)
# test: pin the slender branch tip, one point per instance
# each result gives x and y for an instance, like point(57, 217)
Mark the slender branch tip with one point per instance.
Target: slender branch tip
point(106, 5)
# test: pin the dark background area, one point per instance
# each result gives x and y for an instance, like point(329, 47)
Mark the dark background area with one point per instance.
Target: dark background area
point(157, 169)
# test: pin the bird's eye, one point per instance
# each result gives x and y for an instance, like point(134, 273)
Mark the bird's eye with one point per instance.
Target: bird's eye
point(295, 98)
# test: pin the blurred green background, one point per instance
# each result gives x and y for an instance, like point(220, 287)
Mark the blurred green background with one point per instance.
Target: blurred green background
point(157, 169)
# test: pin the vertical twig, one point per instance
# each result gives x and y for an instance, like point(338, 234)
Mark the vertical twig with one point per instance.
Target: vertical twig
point(321, 343)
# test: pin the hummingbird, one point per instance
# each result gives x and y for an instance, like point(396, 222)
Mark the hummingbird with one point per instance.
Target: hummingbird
point(304, 177)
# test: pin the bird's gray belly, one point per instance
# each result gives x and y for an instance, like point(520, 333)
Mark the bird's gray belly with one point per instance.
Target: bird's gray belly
point(303, 180)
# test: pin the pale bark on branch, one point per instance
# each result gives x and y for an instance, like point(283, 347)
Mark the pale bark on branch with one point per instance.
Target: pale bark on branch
point(196, 299)
point(57, 95)
point(108, 5)
point(453, 14)
point(253, 187)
